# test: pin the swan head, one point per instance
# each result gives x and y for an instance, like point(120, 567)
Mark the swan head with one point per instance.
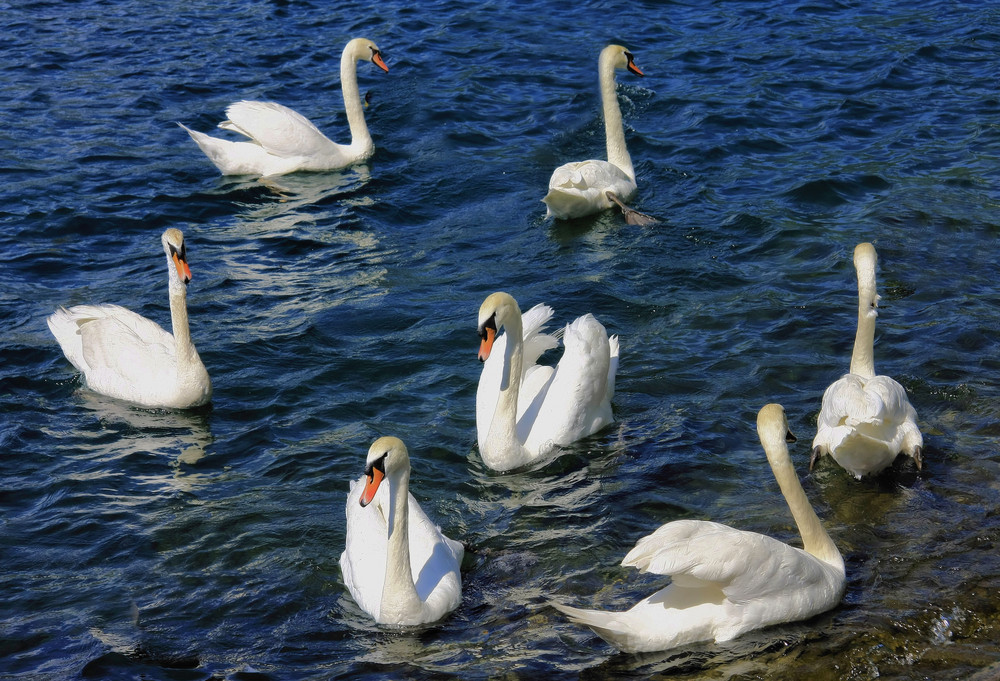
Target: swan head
point(620, 58)
point(173, 246)
point(386, 457)
point(865, 260)
point(772, 429)
point(496, 310)
point(362, 49)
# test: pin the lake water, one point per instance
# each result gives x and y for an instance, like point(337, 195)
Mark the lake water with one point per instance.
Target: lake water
point(333, 308)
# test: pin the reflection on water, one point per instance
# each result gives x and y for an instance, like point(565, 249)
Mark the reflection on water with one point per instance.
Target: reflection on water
point(181, 437)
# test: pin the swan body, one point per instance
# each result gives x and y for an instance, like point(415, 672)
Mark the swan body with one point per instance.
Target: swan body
point(398, 565)
point(525, 410)
point(865, 420)
point(127, 356)
point(284, 141)
point(586, 187)
point(726, 582)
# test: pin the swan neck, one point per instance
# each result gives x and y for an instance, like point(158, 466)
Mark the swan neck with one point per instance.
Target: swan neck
point(815, 539)
point(863, 356)
point(400, 601)
point(502, 439)
point(179, 321)
point(352, 99)
point(614, 129)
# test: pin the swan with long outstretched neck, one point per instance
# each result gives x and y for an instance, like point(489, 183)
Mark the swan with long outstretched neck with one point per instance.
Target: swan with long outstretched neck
point(284, 141)
point(398, 565)
point(726, 582)
point(585, 187)
point(865, 420)
point(525, 410)
point(125, 355)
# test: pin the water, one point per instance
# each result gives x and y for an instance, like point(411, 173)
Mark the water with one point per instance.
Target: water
point(334, 308)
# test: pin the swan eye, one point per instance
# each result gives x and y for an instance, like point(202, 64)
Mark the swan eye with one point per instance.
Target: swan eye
point(181, 252)
point(376, 465)
point(489, 324)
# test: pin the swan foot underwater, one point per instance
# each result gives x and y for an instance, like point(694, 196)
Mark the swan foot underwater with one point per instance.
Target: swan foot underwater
point(726, 582)
point(632, 216)
point(583, 188)
point(865, 420)
point(284, 141)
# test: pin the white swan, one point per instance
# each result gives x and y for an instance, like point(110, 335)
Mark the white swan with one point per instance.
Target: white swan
point(124, 355)
point(866, 420)
point(525, 410)
point(586, 187)
point(397, 564)
point(284, 141)
point(727, 582)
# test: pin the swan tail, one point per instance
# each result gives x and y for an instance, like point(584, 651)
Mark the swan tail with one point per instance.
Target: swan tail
point(605, 624)
point(219, 151)
point(613, 366)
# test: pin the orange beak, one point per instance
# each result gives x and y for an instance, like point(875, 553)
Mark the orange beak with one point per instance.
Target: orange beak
point(634, 69)
point(377, 60)
point(487, 345)
point(183, 271)
point(374, 480)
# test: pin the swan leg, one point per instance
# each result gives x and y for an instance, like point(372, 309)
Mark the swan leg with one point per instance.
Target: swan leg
point(817, 452)
point(632, 216)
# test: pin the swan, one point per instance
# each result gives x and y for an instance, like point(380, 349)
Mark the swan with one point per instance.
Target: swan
point(726, 582)
point(397, 564)
point(285, 141)
point(124, 355)
point(525, 410)
point(585, 187)
point(865, 420)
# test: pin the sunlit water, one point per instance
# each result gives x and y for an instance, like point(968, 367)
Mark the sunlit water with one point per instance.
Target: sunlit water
point(330, 309)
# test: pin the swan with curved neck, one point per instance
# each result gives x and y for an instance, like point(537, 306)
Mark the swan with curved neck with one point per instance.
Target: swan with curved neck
point(397, 565)
point(586, 187)
point(127, 356)
point(726, 582)
point(866, 420)
point(284, 141)
point(524, 410)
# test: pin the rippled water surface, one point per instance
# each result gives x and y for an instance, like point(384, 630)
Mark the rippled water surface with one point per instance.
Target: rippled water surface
point(332, 308)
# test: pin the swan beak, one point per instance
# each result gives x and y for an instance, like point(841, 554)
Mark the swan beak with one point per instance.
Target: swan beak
point(631, 65)
point(375, 477)
point(789, 438)
point(183, 271)
point(377, 60)
point(489, 335)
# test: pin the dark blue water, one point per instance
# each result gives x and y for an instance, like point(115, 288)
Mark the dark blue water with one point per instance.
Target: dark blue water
point(330, 309)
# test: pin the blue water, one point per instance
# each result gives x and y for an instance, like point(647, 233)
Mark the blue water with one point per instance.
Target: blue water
point(330, 309)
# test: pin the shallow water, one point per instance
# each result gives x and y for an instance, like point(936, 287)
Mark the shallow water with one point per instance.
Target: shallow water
point(334, 308)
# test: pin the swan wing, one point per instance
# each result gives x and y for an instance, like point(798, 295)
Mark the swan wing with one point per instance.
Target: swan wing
point(580, 188)
point(725, 582)
point(757, 579)
point(865, 423)
point(577, 400)
point(120, 353)
point(364, 558)
point(436, 562)
point(279, 130)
